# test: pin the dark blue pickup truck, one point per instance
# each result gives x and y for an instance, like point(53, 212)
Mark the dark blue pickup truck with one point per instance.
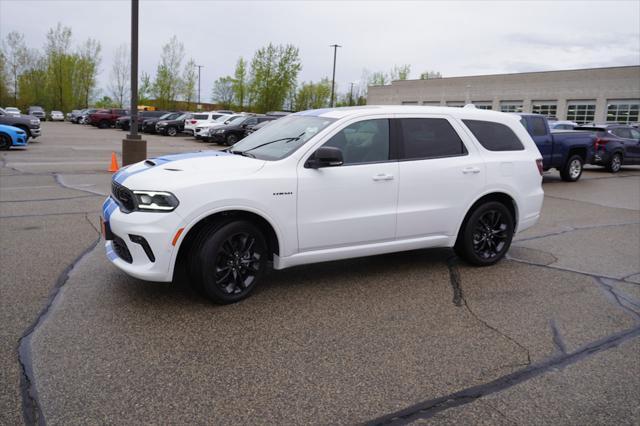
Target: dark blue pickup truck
point(564, 150)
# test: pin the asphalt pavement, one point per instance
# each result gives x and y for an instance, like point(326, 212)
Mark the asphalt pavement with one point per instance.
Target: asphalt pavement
point(549, 335)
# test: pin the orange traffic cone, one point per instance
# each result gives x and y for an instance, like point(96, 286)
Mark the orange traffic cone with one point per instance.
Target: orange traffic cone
point(114, 163)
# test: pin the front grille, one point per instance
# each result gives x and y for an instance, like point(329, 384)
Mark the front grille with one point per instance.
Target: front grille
point(121, 249)
point(123, 196)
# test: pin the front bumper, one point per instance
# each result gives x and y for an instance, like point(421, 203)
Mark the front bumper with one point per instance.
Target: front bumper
point(127, 234)
point(35, 132)
point(217, 137)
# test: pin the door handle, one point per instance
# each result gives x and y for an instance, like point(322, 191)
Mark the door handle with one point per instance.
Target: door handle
point(382, 176)
point(470, 170)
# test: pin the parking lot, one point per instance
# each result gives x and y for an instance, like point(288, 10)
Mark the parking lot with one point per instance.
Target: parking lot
point(550, 335)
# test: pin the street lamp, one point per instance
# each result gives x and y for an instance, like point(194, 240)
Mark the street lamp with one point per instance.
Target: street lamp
point(333, 79)
point(134, 148)
point(199, 67)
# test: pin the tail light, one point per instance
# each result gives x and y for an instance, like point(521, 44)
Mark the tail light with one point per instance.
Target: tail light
point(539, 164)
point(194, 121)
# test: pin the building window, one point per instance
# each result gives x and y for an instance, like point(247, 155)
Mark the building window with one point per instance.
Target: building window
point(581, 112)
point(433, 103)
point(483, 105)
point(547, 108)
point(623, 111)
point(511, 106)
point(457, 104)
point(409, 102)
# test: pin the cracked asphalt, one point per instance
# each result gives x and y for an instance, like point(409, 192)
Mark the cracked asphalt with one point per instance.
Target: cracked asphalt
point(549, 335)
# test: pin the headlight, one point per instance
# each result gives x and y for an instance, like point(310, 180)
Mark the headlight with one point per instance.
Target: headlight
point(155, 201)
point(35, 121)
point(161, 124)
point(219, 131)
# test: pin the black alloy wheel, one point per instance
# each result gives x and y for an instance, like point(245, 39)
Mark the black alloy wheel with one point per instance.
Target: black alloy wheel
point(228, 261)
point(172, 131)
point(5, 142)
point(103, 124)
point(231, 139)
point(486, 236)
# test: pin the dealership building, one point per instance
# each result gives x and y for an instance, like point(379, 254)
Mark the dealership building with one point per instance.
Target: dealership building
point(584, 95)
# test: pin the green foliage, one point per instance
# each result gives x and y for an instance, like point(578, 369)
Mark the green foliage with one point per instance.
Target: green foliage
point(106, 102)
point(427, 75)
point(400, 72)
point(85, 72)
point(5, 96)
point(378, 78)
point(313, 95)
point(189, 82)
point(145, 89)
point(240, 83)
point(274, 70)
point(222, 92)
point(168, 80)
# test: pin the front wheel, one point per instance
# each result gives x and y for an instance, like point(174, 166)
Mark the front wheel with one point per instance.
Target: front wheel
point(615, 164)
point(227, 261)
point(572, 170)
point(5, 142)
point(103, 125)
point(231, 140)
point(486, 235)
point(172, 131)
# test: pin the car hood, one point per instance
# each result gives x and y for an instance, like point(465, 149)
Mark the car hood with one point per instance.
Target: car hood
point(171, 172)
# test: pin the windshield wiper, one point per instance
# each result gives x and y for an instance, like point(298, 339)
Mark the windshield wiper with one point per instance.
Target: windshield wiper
point(289, 139)
point(243, 153)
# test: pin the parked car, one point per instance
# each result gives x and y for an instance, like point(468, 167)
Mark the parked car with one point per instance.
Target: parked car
point(106, 118)
point(37, 111)
point(564, 150)
point(202, 131)
point(124, 122)
point(325, 185)
point(199, 118)
point(28, 123)
point(72, 114)
point(235, 130)
point(56, 116)
point(149, 124)
point(172, 127)
point(12, 110)
point(256, 127)
point(562, 125)
point(84, 117)
point(11, 136)
point(615, 145)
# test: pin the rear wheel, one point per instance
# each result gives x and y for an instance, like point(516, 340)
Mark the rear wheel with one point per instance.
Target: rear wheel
point(227, 261)
point(615, 164)
point(103, 124)
point(572, 170)
point(172, 131)
point(231, 139)
point(486, 235)
point(5, 142)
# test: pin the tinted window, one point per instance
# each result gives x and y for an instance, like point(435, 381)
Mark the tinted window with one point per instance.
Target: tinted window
point(635, 134)
point(363, 142)
point(250, 121)
point(494, 136)
point(622, 133)
point(200, 116)
point(537, 126)
point(430, 138)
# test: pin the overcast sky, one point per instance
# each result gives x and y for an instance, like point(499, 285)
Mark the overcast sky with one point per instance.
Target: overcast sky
point(455, 38)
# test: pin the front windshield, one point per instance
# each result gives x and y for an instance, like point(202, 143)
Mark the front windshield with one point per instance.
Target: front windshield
point(165, 116)
point(235, 120)
point(222, 119)
point(282, 137)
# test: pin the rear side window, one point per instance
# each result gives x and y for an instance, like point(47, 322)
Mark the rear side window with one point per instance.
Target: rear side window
point(622, 133)
point(429, 138)
point(494, 136)
point(537, 126)
point(200, 116)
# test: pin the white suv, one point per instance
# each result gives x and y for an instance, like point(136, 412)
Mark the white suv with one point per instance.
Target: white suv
point(200, 118)
point(323, 185)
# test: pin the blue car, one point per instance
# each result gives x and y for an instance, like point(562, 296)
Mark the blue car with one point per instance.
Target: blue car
point(11, 136)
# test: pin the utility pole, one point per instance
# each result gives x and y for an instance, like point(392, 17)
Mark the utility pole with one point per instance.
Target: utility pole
point(199, 67)
point(351, 95)
point(333, 79)
point(134, 149)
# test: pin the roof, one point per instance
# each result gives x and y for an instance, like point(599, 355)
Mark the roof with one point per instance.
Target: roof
point(466, 112)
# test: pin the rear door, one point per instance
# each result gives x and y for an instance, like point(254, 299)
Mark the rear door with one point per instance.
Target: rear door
point(440, 175)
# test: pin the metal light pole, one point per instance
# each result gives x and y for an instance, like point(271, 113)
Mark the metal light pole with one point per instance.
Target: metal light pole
point(134, 149)
point(199, 67)
point(351, 95)
point(333, 79)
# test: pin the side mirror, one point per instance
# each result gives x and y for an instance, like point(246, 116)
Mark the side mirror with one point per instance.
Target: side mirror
point(325, 156)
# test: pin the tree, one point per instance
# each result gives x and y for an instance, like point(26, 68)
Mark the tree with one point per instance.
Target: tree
point(427, 75)
point(240, 82)
point(313, 95)
point(274, 70)
point(86, 72)
point(60, 65)
point(168, 81)
point(378, 78)
point(32, 91)
point(16, 56)
point(120, 77)
point(106, 102)
point(189, 81)
point(222, 92)
point(145, 88)
point(400, 72)
point(4, 80)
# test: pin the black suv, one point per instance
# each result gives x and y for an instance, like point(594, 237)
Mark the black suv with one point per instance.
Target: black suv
point(615, 145)
point(149, 124)
point(124, 122)
point(234, 131)
point(171, 127)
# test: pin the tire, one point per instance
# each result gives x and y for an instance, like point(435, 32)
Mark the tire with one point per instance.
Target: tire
point(103, 125)
point(5, 142)
point(26, 130)
point(572, 169)
point(231, 139)
point(171, 131)
point(615, 163)
point(486, 235)
point(227, 261)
